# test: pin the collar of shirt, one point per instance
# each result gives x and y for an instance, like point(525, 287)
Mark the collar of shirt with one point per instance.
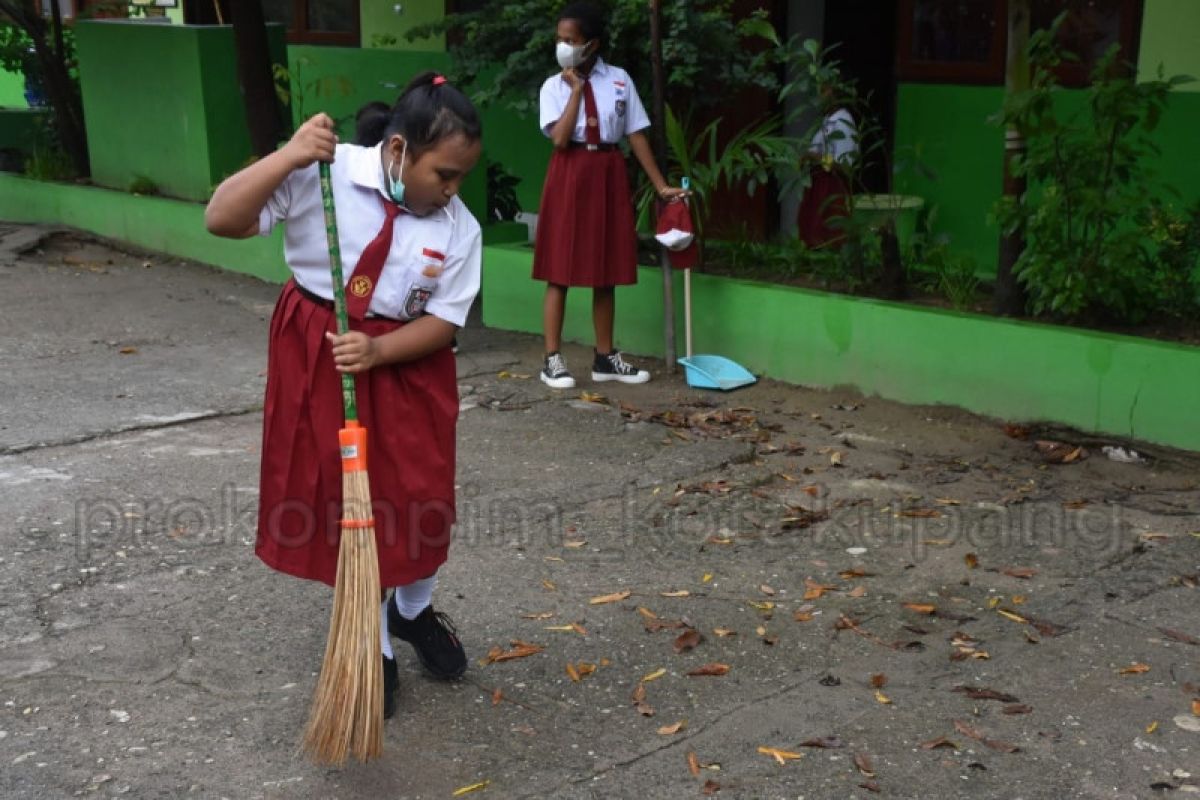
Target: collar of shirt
point(599, 70)
point(363, 167)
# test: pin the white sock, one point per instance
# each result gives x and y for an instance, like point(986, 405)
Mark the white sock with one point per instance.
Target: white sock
point(386, 640)
point(414, 598)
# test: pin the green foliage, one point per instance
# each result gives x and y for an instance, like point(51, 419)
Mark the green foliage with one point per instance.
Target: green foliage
point(143, 185)
point(1175, 257)
point(502, 192)
point(293, 89)
point(48, 162)
point(1087, 254)
point(506, 49)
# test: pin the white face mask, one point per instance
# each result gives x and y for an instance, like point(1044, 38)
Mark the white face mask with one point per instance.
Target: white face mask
point(569, 55)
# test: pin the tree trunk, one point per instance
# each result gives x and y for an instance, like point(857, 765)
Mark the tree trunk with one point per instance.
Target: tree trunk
point(254, 76)
point(893, 285)
point(659, 139)
point(1009, 299)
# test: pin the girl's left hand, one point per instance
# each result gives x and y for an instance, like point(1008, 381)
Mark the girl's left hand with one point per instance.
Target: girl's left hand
point(354, 351)
point(669, 193)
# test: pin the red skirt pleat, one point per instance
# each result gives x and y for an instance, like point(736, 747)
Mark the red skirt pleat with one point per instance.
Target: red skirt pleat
point(585, 230)
point(410, 412)
point(823, 209)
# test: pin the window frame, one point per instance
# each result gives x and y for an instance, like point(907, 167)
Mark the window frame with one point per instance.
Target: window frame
point(991, 73)
point(299, 33)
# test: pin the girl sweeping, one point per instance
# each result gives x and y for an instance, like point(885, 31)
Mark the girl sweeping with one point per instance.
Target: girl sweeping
point(585, 232)
point(416, 254)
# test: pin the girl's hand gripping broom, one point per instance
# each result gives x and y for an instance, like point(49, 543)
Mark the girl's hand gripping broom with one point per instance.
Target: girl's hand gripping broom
point(347, 710)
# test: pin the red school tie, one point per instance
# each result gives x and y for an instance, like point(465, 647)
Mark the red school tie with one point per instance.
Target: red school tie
point(366, 272)
point(591, 127)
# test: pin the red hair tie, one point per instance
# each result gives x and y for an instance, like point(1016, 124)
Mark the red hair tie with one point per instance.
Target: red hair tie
point(438, 80)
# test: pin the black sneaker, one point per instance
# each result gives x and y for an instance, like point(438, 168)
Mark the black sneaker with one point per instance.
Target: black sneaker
point(391, 683)
point(611, 367)
point(454, 345)
point(432, 635)
point(555, 373)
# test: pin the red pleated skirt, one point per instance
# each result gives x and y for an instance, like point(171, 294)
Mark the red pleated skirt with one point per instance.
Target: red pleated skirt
point(824, 203)
point(410, 412)
point(585, 230)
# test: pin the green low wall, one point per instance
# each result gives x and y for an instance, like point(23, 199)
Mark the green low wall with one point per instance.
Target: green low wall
point(1013, 370)
point(175, 227)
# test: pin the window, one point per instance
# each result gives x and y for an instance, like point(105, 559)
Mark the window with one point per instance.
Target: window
point(965, 41)
point(316, 21)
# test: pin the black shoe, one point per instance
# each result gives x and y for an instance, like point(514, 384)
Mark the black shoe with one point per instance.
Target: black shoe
point(454, 345)
point(611, 367)
point(391, 683)
point(555, 373)
point(432, 635)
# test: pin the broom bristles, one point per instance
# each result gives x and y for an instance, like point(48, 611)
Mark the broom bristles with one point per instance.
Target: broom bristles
point(347, 710)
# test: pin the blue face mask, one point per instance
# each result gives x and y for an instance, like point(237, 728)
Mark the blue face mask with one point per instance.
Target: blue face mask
point(396, 185)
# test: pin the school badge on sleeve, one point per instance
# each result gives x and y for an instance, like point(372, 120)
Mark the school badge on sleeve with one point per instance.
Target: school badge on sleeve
point(415, 300)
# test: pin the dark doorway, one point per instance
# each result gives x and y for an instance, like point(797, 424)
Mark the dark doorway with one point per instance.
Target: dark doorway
point(866, 31)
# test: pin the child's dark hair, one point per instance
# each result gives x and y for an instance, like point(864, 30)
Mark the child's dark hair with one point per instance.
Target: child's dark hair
point(430, 109)
point(588, 17)
point(370, 122)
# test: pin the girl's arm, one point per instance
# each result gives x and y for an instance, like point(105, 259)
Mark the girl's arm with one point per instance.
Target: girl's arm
point(641, 149)
point(235, 206)
point(560, 134)
point(357, 352)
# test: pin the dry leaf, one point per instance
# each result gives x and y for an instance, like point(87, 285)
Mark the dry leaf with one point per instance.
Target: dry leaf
point(1179, 636)
point(856, 572)
point(878, 680)
point(814, 590)
point(610, 598)
point(1196, 707)
point(985, 694)
point(1018, 599)
point(858, 591)
point(781, 756)
point(921, 608)
point(870, 786)
point(571, 671)
point(687, 640)
point(972, 560)
point(711, 787)
point(765, 605)
point(1010, 615)
point(767, 590)
point(1019, 708)
point(575, 543)
point(543, 615)
point(680, 593)
point(549, 586)
point(975, 733)
point(560, 628)
point(941, 741)
point(520, 650)
point(835, 458)
point(474, 787)
point(824, 742)
point(582, 631)
point(714, 669)
point(1134, 669)
point(1152, 727)
point(647, 613)
point(863, 762)
point(921, 513)
point(883, 698)
point(722, 540)
point(669, 730)
point(1020, 572)
point(693, 764)
point(802, 616)
point(653, 676)
point(497, 696)
point(723, 632)
point(127, 351)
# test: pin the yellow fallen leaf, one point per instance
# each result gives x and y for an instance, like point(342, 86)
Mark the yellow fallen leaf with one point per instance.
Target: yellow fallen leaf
point(994, 601)
point(574, 673)
point(575, 543)
point(708, 576)
point(782, 756)
point(474, 787)
point(653, 676)
point(765, 605)
point(1018, 599)
point(680, 593)
point(668, 730)
point(1010, 615)
point(724, 632)
point(647, 613)
point(591, 397)
point(610, 598)
point(760, 630)
point(549, 586)
point(1134, 669)
point(1152, 727)
point(883, 698)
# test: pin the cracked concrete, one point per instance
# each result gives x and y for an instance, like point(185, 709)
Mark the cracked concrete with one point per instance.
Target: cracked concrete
point(855, 563)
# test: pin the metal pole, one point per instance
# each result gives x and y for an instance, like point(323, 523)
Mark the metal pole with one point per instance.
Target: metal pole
point(659, 140)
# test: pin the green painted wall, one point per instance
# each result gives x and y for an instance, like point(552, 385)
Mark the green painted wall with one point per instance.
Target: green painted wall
point(1171, 37)
point(12, 90)
point(161, 101)
point(379, 19)
point(1103, 383)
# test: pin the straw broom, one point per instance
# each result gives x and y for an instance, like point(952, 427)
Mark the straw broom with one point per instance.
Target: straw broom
point(347, 709)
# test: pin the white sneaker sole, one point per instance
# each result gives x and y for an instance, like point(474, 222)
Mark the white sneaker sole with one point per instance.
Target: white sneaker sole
point(642, 376)
point(557, 383)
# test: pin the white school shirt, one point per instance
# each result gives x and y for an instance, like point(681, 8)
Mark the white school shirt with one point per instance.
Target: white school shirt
point(618, 106)
point(405, 288)
point(837, 137)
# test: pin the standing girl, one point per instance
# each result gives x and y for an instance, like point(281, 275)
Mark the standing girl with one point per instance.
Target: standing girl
point(416, 251)
point(585, 232)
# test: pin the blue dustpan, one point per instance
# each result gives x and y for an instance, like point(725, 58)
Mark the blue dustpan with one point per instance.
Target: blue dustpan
point(715, 372)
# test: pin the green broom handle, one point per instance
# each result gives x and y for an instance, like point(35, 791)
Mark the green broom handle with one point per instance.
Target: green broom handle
point(339, 289)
